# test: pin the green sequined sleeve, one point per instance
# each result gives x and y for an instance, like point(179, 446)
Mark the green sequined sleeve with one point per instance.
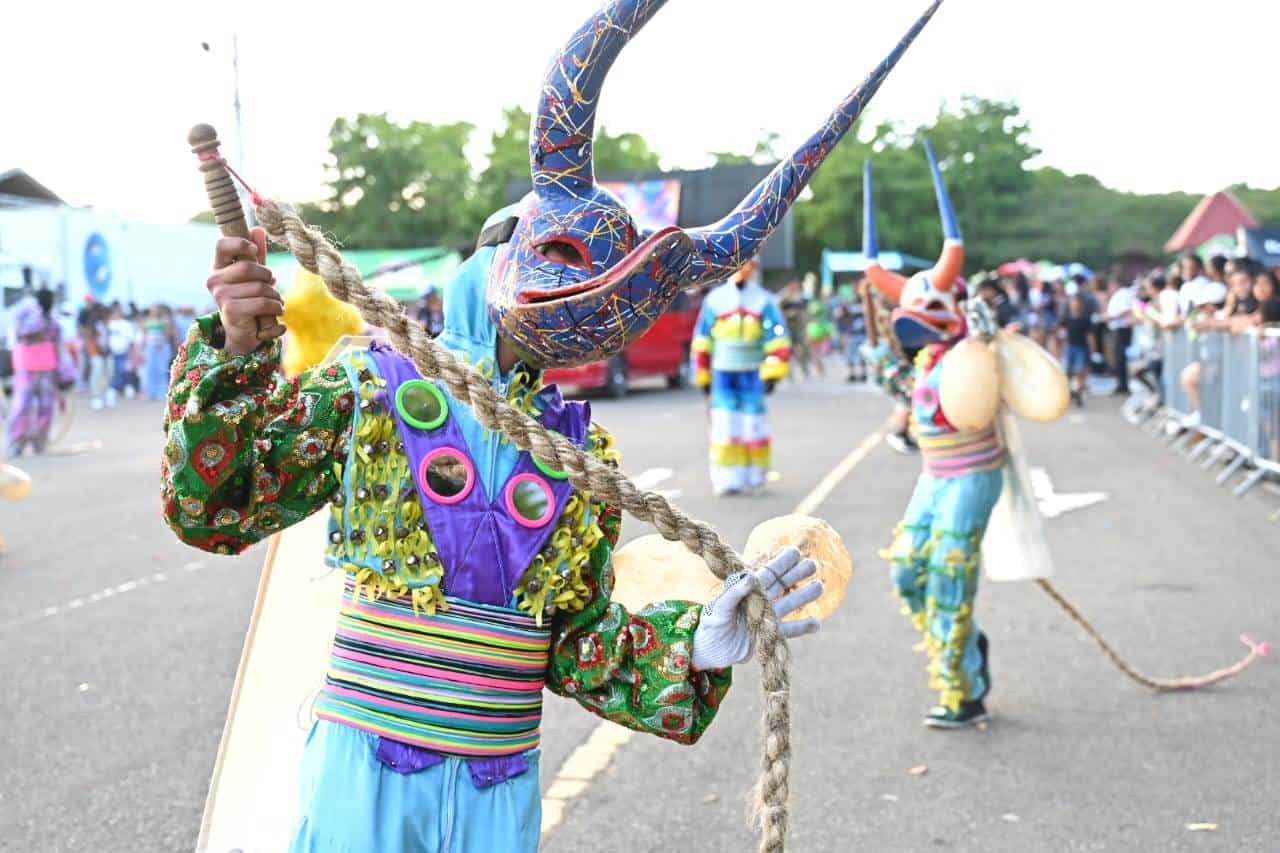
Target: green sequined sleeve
point(248, 451)
point(632, 668)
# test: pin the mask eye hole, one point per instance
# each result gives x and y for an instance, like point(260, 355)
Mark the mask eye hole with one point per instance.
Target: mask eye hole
point(935, 305)
point(564, 250)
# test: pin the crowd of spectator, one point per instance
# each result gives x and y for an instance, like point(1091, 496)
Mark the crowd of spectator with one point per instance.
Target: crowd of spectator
point(122, 351)
point(1109, 324)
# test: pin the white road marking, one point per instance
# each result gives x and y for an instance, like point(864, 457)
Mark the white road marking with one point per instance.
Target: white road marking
point(594, 754)
point(823, 490)
point(101, 595)
point(1053, 504)
point(651, 478)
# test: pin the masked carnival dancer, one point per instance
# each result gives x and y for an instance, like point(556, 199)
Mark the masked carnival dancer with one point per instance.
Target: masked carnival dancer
point(475, 575)
point(741, 351)
point(890, 366)
point(935, 554)
point(41, 365)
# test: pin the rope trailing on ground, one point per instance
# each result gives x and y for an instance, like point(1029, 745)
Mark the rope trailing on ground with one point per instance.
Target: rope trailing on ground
point(316, 254)
point(1161, 685)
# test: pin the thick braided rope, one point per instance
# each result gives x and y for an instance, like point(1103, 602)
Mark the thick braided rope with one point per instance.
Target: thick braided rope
point(316, 254)
point(1163, 685)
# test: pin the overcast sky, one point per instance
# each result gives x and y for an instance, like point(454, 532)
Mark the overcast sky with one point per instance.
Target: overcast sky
point(1149, 95)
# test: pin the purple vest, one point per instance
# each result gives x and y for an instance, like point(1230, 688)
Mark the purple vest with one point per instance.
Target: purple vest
point(484, 545)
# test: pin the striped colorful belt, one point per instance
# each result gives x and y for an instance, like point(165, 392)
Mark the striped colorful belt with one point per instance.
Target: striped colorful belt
point(466, 681)
point(959, 453)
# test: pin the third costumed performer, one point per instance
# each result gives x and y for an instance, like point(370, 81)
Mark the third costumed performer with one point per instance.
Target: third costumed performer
point(741, 351)
point(935, 554)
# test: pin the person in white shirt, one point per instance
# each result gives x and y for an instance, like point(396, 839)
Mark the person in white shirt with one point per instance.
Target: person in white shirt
point(1120, 321)
point(1198, 298)
point(1167, 304)
point(122, 334)
point(1198, 289)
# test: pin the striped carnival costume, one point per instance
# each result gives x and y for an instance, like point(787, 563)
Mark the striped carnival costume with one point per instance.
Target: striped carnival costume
point(475, 578)
point(936, 552)
point(741, 349)
point(475, 575)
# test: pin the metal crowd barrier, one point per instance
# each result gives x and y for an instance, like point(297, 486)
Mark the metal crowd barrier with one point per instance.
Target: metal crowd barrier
point(1239, 423)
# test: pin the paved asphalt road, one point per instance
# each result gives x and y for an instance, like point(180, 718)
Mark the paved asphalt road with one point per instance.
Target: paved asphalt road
point(121, 646)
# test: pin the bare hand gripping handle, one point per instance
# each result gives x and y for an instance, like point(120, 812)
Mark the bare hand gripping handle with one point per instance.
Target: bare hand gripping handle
point(224, 201)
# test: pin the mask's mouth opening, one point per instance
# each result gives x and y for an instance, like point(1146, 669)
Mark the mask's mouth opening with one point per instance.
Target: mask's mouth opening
point(651, 249)
point(566, 250)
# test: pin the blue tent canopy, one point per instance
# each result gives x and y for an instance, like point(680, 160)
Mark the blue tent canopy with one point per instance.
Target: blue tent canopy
point(835, 263)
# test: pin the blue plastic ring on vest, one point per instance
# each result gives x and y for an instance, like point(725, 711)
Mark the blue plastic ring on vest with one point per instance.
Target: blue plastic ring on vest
point(421, 404)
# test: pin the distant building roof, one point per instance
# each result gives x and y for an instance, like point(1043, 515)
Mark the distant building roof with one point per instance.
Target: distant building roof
point(1220, 213)
point(836, 262)
point(16, 182)
point(707, 195)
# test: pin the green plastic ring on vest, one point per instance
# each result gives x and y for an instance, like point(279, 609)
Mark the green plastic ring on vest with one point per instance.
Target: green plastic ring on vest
point(421, 404)
point(548, 470)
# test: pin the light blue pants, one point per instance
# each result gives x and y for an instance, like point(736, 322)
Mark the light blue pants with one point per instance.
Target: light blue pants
point(935, 561)
point(351, 803)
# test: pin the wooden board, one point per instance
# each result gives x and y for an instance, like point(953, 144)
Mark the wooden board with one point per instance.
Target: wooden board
point(253, 796)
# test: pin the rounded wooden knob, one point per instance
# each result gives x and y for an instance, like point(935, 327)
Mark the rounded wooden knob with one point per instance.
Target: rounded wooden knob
point(224, 201)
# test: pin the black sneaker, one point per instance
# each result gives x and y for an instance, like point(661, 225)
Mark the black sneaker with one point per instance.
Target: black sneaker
point(984, 649)
point(902, 442)
point(970, 714)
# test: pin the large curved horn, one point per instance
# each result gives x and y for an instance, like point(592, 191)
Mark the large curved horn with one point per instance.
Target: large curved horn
point(951, 263)
point(886, 281)
point(563, 126)
point(726, 245)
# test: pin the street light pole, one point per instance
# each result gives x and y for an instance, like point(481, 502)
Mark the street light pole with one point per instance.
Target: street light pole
point(235, 74)
point(235, 83)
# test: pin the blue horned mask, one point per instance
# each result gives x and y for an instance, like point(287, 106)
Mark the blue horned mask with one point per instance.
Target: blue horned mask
point(572, 281)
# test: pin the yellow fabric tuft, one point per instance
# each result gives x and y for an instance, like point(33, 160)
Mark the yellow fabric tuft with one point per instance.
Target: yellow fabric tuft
point(316, 321)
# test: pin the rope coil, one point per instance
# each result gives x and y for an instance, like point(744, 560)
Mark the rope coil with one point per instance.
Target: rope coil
point(316, 254)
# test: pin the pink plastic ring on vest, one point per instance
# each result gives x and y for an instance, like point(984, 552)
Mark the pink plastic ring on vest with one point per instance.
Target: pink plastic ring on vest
point(462, 458)
point(514, 511)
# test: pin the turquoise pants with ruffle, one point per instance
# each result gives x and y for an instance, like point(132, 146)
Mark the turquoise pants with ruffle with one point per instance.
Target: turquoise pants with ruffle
point(935, 560)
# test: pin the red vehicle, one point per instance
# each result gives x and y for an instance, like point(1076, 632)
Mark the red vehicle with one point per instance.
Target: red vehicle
point(661, 351)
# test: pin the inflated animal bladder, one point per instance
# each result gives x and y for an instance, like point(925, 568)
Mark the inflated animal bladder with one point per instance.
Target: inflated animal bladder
point(816, 540)
point(651, 568)
point(15, 484)
point(970, 387)
point(1032, 382)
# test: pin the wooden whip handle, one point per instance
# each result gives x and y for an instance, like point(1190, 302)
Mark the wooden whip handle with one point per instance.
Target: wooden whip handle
point(869, 313)
point(224, 201)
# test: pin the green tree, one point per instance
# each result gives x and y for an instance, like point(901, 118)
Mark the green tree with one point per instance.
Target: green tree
point(626, 152)
point(508, 160)
point(982, 150)
point(398, 185)
point(764, 152)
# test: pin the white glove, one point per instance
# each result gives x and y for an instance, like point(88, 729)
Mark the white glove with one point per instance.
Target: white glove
point(721, 638)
